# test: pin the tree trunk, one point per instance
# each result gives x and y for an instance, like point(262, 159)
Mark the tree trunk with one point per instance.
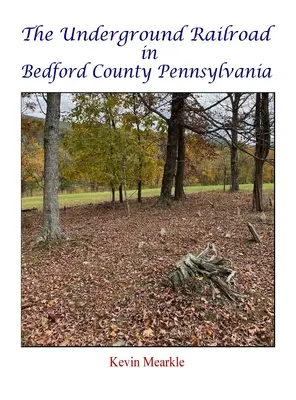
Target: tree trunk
point(23, 187)
point(258, 184)
point(172, 148)
point(113, 194)
point(262, 128)
point(139, 191)
point(51, 214)
point(213, 271)
point(120, 193)
point(234, 169)
point(179, 187)
point(257, 191)
point(234, 138)
point(170, 165)
point(140, 162)
point(124, 183)
point(224, 179)
point(254, 233)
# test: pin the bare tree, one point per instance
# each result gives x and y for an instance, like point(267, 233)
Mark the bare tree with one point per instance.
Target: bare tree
point(262, 127)
point(235, 100)
point(226, 119)
point(179, 184)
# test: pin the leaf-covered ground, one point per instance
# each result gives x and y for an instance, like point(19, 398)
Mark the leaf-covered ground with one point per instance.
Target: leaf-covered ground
point(108, 285)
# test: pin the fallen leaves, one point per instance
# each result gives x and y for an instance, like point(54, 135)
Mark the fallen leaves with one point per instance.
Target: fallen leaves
point(194, 341)
point(65, 342)
point(105, 286)
point(148, 332)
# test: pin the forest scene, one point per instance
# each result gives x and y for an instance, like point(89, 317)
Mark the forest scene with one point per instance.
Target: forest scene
point(147, 219)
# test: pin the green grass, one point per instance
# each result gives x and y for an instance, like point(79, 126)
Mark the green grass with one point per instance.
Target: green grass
point(86, 198)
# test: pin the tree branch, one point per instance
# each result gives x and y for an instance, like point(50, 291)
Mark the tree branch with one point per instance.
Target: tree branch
point(161, 115)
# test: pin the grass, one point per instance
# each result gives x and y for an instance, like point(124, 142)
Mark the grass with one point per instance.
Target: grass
point(86, 198)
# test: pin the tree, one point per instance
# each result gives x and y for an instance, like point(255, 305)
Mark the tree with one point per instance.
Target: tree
point(262, 127)
point(115, 142)
point(51, 215)
point(228, 121)
point(142, 126)
point(235, 100)
point(172, 149)
point(32, 154)
point(179, 186)
point(175, 139)
point(199, 153)
point(95, 150)
point(96, 140)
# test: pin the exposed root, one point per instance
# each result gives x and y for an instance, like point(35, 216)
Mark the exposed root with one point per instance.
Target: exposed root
point(164, 201)
point(254, 233)
point(49, 238)
point(217, 272)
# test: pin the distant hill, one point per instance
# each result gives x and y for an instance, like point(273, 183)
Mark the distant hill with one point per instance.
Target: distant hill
point(64, 126)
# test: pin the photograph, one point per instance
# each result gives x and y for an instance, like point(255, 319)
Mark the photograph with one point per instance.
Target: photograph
point(147, 219)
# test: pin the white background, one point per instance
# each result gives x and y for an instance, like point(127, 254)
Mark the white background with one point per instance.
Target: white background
point(84, 373)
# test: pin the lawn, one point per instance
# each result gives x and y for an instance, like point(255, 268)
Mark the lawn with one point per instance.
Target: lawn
point(86, 198)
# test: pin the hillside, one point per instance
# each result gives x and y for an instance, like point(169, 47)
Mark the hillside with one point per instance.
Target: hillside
point(64, 126)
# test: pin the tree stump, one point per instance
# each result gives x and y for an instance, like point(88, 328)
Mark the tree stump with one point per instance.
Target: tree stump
point(254, 233)
point(217, 272)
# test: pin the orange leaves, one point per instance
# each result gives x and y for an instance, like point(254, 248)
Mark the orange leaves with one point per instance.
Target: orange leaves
point(208, 330)
point(113, 327)
point(194, 340)
point(32, 153)
point(116, 335)
point(113, 330)
point(148, 321)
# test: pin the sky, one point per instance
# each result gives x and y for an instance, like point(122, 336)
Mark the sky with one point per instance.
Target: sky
point(66, 105)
